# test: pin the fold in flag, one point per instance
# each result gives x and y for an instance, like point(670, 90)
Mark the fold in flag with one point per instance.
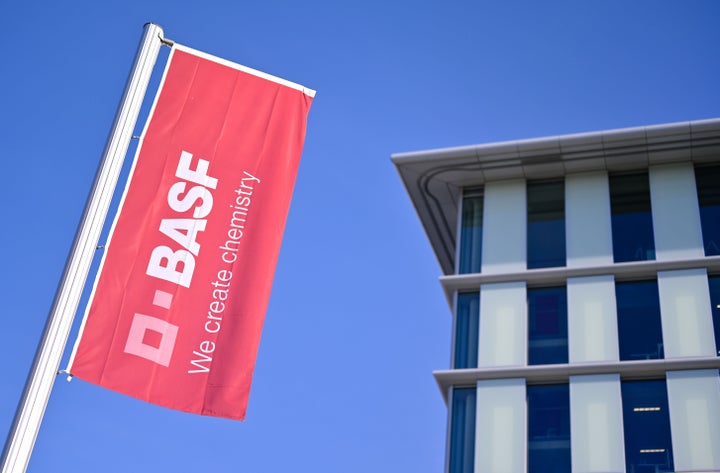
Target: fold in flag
point(177, 309)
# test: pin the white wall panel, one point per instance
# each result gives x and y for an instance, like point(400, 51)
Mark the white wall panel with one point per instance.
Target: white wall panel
point(687, 324)
point(587, 219)
point(596, 424)
point(675, 212)
point(504, 246)
point(592, 319)
point(694, 402)
point(503, 325)
point(501, 432)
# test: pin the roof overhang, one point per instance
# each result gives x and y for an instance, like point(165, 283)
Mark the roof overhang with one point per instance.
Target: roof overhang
point(434, 179)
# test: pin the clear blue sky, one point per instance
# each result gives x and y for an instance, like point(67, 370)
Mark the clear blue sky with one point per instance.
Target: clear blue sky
point(357, 320)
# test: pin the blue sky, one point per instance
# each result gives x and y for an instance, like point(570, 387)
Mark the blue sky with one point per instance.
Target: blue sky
point(357, 320)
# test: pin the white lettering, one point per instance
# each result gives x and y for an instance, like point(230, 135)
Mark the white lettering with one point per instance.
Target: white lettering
point(198, 363)
point(198, 175)
point(164, 264)
point(184, 231)
point(193, 195)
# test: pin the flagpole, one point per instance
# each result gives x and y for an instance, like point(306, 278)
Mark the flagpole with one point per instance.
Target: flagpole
point(28, 416)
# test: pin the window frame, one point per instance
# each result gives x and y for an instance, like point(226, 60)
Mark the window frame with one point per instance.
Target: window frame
point(470, 263)
point(641, 218)
point(626, 335)
point(562, 324)
point(537, 213)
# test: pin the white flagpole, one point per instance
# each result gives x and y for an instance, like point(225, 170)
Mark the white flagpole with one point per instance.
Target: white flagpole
point(21, 439)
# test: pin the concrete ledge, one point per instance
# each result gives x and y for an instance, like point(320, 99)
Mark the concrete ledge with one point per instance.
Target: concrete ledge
point(559, 275)
point(555, 374)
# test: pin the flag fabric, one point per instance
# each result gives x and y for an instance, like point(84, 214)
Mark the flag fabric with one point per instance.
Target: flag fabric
point(177, 309)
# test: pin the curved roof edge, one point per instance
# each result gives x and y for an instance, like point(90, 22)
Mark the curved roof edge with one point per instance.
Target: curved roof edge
point(434, 178)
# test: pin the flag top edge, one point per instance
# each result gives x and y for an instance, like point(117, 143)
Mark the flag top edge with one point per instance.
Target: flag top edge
point(309, 92)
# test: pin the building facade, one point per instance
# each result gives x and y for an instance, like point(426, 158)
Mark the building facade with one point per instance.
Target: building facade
point(583, 272)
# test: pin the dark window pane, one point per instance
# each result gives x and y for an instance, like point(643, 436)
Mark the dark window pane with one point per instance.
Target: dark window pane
point(547, 326)
point(632, 231)
point(639, 323)
point(708, 188)
point(648, 444)
point(715, 302)
point(546, 224)
point(548, 429)
point(462, 431)
point(471, 232)
point(466, 330)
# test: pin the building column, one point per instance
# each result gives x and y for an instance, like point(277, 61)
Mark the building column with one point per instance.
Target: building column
point(596, 424)
point(503, 325)
point(587, 220)
point(592, 319)
point(675, 212)
point(504, 246)
point(501, 427)
point(687, 325)
point(694, 403)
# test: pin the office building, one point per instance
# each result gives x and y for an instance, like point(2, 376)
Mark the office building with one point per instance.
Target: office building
point(583, 272)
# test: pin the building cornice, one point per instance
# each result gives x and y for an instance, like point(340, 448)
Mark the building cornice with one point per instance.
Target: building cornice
point(434, 179)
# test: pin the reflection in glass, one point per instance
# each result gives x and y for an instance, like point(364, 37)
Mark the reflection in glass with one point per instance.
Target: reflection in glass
point(471, 232)
point(546, 224)
point(466, 330)
point(707, 179)
point(646, 423)
point(547, 326)
point(715, 303)
point(639, 323)
point(548, 429)
point(632, 231)
point(462, 431)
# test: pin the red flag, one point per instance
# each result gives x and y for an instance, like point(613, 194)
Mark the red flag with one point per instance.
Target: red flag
point(178, 307)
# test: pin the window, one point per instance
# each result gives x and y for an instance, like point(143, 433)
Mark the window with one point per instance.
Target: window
point(467, 320)
point(462, 431)
point(545, 224)
point(547, 326)
point(639, 323)
point(471, 231)
point(548, 429)
point(707, 179)
point(714, 282)
point(632, 231)
point(646, 423)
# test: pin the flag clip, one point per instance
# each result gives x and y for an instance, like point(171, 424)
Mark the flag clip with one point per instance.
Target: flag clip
point(69, 377)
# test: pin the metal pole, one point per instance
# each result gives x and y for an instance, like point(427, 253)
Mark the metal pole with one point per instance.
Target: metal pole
point(29, 414)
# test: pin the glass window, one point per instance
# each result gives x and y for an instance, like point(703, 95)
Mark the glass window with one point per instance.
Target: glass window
point(639, 323)
point(632, 231)
point(646, 423)
point(462, 430)
point(714, 282)
point(471, 231)
point(707, 179)
point(547, 326)
point(548, 429)
point(467, 330)
point(546, 224)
